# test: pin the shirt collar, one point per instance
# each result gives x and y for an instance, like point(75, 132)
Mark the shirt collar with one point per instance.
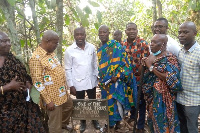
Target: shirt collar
point(75, 46)
point(126, 40)
point(193, 47)
point(43, 52)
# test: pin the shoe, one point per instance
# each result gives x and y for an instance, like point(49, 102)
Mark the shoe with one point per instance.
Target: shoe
point(117, 126)
point(139, 130)
point(105, 129)
point(68, 128)
point(96, 124)
point(83, 126)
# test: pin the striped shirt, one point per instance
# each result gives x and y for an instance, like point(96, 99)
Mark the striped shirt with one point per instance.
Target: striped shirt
point(48, 77)
point(190, 76)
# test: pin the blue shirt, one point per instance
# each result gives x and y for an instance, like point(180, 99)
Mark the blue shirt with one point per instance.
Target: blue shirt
point(190, 76)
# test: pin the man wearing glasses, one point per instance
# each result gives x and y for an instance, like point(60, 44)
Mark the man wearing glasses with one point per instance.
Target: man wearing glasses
point(161, 27)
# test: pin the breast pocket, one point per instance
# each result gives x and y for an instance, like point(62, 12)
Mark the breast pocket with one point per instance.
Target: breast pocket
point(49, 64)
point(191, 65)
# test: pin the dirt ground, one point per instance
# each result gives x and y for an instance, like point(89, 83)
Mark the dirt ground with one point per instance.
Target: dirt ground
point(125, 127)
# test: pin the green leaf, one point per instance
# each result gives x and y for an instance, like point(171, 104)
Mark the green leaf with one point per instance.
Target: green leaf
point(79, 11)
point(84, 21)
point(67, 19)
point(95, 4)
point(75, 14)
point(87, 10)
point(35, 95)
point(96, 25)
point(11, 2)
point(22, 42)
point(99, 16)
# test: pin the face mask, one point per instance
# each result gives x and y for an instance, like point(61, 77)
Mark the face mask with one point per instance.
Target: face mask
point(157, 53)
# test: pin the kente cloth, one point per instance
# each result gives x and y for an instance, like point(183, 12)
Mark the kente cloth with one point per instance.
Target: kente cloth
point(17, 115)
point(113, 62)
point(160, 95)
point(138, 49)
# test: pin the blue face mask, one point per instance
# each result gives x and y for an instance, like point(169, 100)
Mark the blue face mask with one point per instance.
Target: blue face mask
point(157, 53)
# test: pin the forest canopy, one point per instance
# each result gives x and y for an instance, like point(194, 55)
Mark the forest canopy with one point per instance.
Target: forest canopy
point(26, 20)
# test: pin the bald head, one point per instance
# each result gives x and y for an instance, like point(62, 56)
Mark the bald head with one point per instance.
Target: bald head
point(104, 27)
point(49, 41)
point(104, 34)
point(162, 37)
point(4, 44)
point(2, 34)
point(49, 35)
point(186, 34)
point(189, 25)
point(117, 35)
point(158, 42)
point(82, 29)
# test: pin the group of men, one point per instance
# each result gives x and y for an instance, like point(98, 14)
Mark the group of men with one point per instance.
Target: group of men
point(81, 74)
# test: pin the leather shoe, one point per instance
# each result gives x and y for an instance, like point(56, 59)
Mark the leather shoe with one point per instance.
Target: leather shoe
point(96, 124)
point(83, 126)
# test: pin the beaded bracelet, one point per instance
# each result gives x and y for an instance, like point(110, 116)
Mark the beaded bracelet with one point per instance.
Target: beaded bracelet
point(1, 90)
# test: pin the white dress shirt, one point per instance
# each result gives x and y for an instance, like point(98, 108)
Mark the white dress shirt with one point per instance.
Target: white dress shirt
point(173, 46)
point(81, 66)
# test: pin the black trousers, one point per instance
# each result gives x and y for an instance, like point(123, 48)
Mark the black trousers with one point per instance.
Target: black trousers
point(182, 118)
point(91, 95)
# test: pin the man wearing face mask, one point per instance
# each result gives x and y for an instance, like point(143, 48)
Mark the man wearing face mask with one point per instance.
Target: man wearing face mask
point(160, 27)
point(161, 83)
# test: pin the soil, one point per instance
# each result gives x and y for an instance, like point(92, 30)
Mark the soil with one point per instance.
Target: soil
point(125, 127)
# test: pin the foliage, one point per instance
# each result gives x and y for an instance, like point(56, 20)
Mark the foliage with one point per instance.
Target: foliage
point(113, 13)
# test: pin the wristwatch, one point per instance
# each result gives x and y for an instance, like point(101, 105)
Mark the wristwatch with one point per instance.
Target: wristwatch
point(151, 68)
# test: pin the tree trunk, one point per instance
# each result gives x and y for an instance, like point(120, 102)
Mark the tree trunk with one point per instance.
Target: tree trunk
point(9, 13)
point(154, 10)
point(159, 4)
point(34, 16)
point(59, 27)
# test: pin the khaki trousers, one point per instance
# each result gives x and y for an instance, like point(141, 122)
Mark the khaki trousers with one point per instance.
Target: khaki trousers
point(60, 116)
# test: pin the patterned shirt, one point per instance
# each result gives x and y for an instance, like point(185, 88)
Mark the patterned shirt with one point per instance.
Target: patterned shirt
point(48, 76)
point(190, 76)
point(136, 51)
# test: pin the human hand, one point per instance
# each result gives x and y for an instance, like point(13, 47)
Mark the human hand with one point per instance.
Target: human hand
point(148, 61)
point(143, 61)
point(51, 106)
point(28, 85)
point(73, 90)
point(14, 85)
point(114, 79)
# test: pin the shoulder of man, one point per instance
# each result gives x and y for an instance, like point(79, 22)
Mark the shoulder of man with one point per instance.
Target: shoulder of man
point(141, 40)
point(90, 44)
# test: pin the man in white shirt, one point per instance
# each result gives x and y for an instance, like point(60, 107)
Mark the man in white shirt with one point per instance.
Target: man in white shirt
point(81, 69)
point(160, 27)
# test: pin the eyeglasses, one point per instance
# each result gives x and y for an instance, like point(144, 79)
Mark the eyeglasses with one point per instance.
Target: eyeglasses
point(159, 26)
point(5, 41)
